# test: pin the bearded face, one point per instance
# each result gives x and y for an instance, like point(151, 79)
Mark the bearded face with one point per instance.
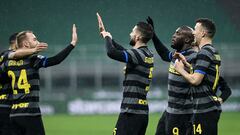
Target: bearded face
point(133, 36)
point(132, 41)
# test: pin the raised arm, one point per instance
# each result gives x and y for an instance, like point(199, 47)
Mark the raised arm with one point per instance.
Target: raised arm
point(114, 50)
point(161, 49)
point(58, 58)
point(117, 46)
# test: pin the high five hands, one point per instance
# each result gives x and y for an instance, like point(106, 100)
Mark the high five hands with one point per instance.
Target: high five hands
point(101, 27)
point(74, 35)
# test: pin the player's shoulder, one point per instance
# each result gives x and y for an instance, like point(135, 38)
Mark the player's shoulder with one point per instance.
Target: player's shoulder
point(208, 49)
point(35, 57)
point(191, 57)
point(4, 55)
point(190, 51)
point(5, 52)
point(143, 51)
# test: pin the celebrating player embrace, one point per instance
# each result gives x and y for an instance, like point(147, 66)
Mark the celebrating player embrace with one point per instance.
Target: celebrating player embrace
point(23, 73)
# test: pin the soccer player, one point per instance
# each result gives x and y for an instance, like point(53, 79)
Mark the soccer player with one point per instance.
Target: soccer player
point(133, 119)
point(176, 119)
point(14, 53)
point(205, 78)
point(5, 104)
point(25, 113)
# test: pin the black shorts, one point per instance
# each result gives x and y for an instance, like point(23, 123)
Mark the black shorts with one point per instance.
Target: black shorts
point(161, 128)
point(131, 124)
point(5, 128)
point(206, 123)
point(27, 125)
point(177, 124)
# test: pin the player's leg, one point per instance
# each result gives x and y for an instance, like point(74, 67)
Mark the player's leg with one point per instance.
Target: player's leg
point(120, 126)
point(5, 128)
point(34, 125)
point(126, 125)
point(206, 123)
point(131, 124)
point(177, 124)
point(16, 126)
point(161, 128)
point(142, 123)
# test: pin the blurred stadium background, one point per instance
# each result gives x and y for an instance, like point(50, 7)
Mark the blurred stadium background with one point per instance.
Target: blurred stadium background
point(88, 82)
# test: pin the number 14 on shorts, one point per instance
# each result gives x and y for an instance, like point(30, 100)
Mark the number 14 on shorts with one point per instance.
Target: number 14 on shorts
point(197, 130)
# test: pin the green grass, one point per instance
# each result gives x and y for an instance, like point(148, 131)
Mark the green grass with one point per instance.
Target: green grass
point(104, 124)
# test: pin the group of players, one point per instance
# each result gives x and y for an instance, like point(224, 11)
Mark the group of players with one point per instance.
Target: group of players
point(19, 83)
point(195, 88)
point(194, 80)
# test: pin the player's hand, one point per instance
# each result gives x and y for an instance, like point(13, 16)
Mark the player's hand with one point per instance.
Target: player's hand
point(178, 65)
point(220, 100)
point(74, 35)
point(105, 34)
point(100, 24)
point(40, 47)
point(150, 21)
point(179, 56)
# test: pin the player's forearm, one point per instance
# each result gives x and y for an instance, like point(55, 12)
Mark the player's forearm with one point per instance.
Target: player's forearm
point(225, 89)
point(226, 94)
point(162, 51)
point(191, 78)
point(51, 61)
point(20, 53)
point(114, 53)
point(117, 46)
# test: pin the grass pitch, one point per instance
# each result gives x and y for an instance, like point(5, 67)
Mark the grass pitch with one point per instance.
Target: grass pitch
point(104, 124)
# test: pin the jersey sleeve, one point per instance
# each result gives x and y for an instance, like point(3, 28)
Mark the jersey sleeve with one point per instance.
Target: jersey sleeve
point(161, 49)
point(38, 61)
point(114, 51)
point(4, 56)
point(203, 61)
point(224, 88)
point(134, 56)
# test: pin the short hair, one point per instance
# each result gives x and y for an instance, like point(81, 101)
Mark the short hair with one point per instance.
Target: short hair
point(188, 32)
point(146, 31)
point(12, 39)
point(21, 37)
point(208, 25)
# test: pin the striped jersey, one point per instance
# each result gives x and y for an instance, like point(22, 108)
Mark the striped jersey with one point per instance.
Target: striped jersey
point(5, 103)
point(24, 80)
point(179, 89)
point(138, 77)
point(207, 63)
